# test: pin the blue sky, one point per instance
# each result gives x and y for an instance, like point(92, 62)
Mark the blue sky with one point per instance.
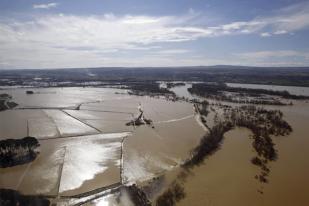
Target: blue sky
point(94, 33)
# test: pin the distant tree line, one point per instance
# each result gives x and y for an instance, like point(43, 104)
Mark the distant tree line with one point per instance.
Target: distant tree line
point(170, 85)
point(147, 88)
point(218, 91)
point(295, 76)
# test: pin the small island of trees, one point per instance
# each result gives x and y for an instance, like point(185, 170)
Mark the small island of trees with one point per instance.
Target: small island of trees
point(18, 151)
point(6, 102)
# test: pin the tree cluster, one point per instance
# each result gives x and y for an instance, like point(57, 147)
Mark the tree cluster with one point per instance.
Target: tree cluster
point(11, 197)
point(18, 151)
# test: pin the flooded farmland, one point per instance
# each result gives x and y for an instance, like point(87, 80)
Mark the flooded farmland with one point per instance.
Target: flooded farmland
point(86, 149)
point(85, 144)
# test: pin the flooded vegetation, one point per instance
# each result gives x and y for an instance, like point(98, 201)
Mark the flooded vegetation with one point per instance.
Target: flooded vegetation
point(222, 92)
point(154, 103)
point(6, 102)
point(11, 197)
point(134, 146)
point(18, 151)
point(137, 196)
point(170, 85)
point(262, 123)
point(147, 88)
point(87, 146)
point(140, 120)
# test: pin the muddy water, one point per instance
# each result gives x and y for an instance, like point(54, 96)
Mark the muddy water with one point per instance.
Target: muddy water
point(90, 162)
point(74, 165)
point(227, 177)
point(60, 97)
point(149, 152)
point(69, 166)
point(182, 91)
point(77, 152)
point(289, 175)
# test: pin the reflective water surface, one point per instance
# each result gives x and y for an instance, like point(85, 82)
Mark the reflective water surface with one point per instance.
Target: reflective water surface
point(85, 145)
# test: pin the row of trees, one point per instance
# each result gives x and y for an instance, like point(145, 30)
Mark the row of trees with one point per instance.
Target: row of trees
point(264, 124)
point(137, 196)
point(170, 85)
point(147, 88)
point(209, 143)
point(208, 89)
point(222, 92)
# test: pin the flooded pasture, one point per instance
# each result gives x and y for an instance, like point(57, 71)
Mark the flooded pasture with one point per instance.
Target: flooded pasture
point(85, 144)
point(86, 148)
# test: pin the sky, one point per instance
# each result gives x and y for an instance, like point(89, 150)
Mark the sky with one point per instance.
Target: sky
point(38, 34)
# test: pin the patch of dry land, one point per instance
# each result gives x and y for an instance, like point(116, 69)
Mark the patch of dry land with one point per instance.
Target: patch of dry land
point(89, 155)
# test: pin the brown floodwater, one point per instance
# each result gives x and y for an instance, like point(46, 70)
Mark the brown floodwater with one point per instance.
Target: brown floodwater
point(149, 152)
point(90, 148)
point(227, 177)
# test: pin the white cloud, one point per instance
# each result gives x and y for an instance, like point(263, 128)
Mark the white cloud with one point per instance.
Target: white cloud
point(280, 32)
point(174, 51)
point(288, 19)
point(140, 20)
point(283, 21)
point(45, 6)
point(48, 35)
point(63, 40)
point(265, 34)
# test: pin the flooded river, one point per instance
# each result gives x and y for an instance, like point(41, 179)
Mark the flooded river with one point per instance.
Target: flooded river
point(86, 145)
point(227, 177)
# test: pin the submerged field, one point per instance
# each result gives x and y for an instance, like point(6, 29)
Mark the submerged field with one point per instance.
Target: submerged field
point(91, 147)
point(87, 152)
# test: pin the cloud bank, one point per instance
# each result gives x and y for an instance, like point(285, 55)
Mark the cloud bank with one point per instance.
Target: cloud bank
point(110, 40)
